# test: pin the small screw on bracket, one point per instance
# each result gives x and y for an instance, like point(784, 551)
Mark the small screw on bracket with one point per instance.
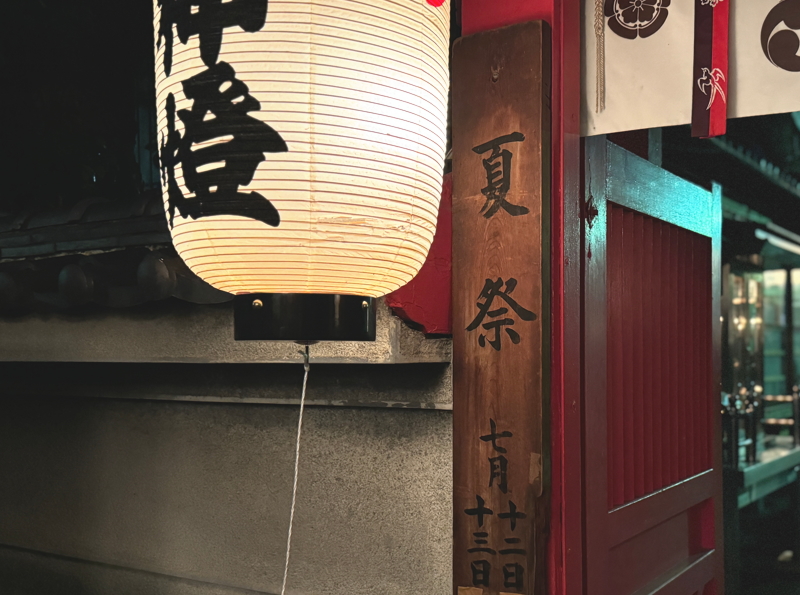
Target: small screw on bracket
point(257, 304)
point(365, 304)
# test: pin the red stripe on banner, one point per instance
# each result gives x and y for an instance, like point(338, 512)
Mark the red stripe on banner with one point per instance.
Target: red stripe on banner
point(704, 78)
point(719, 109)
point(710, 78)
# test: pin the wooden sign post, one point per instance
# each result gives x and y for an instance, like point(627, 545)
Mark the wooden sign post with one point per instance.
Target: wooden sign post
point(501, 318)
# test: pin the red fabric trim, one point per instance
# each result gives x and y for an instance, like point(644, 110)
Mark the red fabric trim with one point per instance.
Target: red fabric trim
point(720, 48)
point(704, 78)
point(710, 78)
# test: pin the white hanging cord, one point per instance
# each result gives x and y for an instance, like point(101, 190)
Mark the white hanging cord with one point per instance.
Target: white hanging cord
point(600, 62)
point(306, 367)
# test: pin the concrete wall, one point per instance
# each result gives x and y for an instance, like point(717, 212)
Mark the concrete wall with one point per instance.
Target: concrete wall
point(118, 496)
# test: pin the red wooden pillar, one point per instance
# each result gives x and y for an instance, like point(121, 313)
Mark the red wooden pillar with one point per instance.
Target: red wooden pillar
point(565, 566)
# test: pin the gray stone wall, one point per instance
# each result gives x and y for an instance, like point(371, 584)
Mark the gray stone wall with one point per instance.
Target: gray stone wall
point(133, 495)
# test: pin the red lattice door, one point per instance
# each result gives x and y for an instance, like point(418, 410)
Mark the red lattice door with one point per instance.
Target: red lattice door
point(652, 470)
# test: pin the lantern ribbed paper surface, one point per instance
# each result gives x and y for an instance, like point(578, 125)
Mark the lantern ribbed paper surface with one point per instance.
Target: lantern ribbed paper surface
point(302, 151)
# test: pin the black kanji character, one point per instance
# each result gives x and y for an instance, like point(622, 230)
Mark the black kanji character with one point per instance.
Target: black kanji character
point(499, 471)
point(169, 159)
point(493, 436)
point(480, 539)
point(511, 551)
point(517, 550)
point(491, 290)
point(513, 576)
point(485, 550)
point(218, 93)
point(512, 515)
point(480, 511)
point(498, 176)
point(480, 573)
point(207, 19)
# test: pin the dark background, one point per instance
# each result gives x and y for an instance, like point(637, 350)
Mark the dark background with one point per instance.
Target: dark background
point(79, 102)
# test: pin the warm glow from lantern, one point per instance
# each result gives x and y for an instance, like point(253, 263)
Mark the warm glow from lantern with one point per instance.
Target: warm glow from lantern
point(358, 92)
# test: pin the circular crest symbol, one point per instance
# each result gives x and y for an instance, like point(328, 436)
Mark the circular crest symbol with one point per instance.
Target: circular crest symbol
point(781, 46)
point(636, 18)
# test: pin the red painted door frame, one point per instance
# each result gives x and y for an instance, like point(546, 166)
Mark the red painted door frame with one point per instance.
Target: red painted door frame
point(565, 552)
point(653, 481)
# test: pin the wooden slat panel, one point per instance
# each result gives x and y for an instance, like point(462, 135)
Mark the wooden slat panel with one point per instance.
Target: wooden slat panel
point(700, 348)
point(689, 578)
point(627, 521)
point(711, 411)
point(675, 356)
point(616, 373)
point(659, 391)
point(697, 345)
point(670, 342)
point(626, 339)
point(646, 347)
point(648, 555)
point(683, 409)
point(637, 394)
point(648, 451)
point(659, 370)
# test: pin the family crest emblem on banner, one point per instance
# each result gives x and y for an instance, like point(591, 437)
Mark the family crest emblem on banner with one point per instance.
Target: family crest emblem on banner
point(636, 18)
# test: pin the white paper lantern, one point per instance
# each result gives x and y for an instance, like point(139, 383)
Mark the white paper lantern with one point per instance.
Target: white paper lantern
point(356, 90)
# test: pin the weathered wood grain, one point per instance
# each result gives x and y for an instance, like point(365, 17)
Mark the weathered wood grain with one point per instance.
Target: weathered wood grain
point(501, 89)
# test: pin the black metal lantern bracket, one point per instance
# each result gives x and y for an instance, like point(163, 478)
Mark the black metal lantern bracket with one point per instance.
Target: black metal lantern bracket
point(304, 318)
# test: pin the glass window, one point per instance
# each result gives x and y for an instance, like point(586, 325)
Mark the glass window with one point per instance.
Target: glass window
point(774, 325)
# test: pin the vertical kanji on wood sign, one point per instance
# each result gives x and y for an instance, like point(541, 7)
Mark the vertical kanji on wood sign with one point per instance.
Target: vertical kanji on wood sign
point(501, 317)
